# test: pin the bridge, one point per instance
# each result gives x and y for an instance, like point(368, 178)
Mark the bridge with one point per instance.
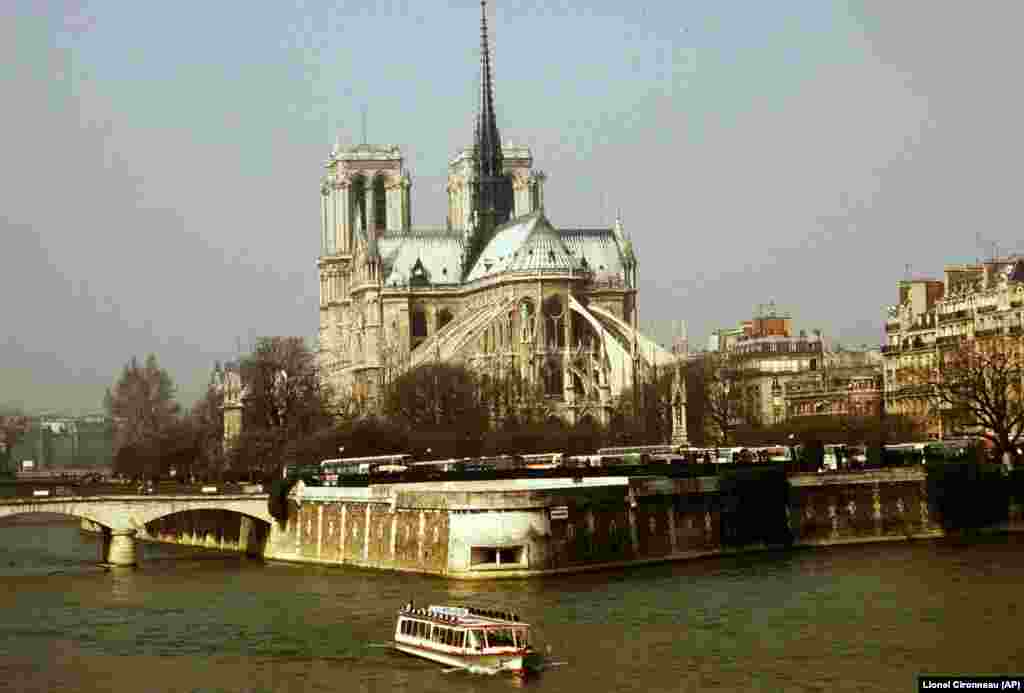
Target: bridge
point(122, 516)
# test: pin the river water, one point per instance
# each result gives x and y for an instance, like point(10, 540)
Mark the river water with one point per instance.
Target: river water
point(855, 618)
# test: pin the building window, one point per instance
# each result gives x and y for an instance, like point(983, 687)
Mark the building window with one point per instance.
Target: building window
point(497, 556)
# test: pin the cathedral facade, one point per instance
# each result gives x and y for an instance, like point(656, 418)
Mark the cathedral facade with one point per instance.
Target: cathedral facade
point(500, 289)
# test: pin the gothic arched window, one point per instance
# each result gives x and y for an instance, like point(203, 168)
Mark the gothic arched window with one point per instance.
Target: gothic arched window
point(418, 325)
point(380, 204)
point(554, 314)
point(358, 201)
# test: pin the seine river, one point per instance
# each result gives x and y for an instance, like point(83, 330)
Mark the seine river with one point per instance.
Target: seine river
point(857, 618)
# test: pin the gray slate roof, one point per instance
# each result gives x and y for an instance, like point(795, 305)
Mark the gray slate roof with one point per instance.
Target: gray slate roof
point(527, 244)
point(600, 249)
point(439, 251)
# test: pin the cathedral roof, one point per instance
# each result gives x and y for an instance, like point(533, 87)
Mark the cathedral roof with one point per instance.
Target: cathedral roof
point(542, 250)
point(598, 247)
point(438, 252)
point(526, 244)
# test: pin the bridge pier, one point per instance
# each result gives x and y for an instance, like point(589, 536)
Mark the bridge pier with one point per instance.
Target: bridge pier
point(118, 547)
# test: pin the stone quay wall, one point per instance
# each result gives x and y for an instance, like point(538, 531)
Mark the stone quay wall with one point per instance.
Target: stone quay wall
point(527, 527)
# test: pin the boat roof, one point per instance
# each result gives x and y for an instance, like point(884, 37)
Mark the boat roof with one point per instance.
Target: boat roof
point(467, 616)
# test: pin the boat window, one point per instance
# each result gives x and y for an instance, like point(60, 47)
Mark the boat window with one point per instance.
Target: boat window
point(476, 639)
point(501, 637)
point(522, 638)
point(460, 638)
point(437, 634)
point(423, 629)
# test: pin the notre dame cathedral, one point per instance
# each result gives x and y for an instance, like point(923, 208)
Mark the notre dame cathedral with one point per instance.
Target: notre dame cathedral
point(501, 289)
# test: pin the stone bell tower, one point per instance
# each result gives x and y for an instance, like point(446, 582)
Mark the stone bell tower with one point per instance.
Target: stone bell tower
point(366, 188)
point(365, 193)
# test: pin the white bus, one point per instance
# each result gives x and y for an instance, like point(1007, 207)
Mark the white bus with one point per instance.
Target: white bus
point(544, 460)
point(331, 471)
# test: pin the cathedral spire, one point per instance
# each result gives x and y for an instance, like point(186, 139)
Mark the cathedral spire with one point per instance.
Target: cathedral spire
point(491, 196)
point(488, 142)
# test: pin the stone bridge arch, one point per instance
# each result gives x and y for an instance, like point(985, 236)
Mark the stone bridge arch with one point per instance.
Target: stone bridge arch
point(121, 518)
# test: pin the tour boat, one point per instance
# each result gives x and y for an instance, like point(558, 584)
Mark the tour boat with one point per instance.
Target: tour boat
point(462, 637)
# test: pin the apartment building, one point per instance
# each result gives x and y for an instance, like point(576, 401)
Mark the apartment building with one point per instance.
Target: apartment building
point(972, 301)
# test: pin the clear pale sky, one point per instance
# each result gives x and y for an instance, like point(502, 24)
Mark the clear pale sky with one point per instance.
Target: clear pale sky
point(160, 161)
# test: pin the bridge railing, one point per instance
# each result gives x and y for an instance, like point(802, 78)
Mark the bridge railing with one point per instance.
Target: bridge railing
point(52, 489)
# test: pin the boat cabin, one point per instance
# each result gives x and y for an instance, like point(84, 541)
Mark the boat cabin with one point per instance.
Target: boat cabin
point(462, 631)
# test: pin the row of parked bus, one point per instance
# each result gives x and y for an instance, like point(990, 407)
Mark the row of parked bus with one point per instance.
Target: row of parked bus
point(836, 457)
point(334, 472)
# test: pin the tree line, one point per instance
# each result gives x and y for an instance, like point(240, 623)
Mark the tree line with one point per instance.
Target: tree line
point(291, 416)
point(441, 410)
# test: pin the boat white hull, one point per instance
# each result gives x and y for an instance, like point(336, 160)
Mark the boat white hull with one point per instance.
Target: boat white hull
point(482, 663)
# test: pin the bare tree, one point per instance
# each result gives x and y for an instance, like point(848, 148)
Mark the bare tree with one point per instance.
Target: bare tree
point(207, 419)
point(980, 385)
point(646, 410)
point(285, 399)
point(141, 404)
point(727, 399)
point(437, 396)
point(513, 401)
point(13, 426)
